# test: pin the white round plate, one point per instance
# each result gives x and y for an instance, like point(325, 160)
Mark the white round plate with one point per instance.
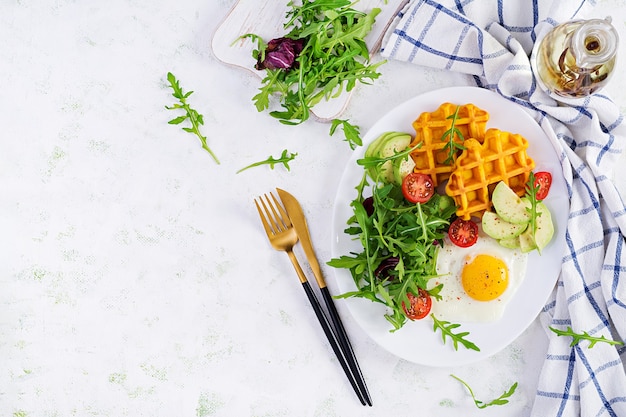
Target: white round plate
point(416, 341)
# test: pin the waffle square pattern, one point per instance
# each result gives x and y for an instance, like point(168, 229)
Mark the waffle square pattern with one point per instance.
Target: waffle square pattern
point(501, 157)
point(432, 158)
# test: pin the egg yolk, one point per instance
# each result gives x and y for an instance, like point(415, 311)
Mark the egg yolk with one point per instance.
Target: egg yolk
point(485, 278)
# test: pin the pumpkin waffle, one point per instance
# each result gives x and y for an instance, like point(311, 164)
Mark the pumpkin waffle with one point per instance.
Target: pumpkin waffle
point(430, 128)
point(502, 157)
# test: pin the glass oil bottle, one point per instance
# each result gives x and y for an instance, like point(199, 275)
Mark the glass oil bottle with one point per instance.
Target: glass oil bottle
point(577, 58)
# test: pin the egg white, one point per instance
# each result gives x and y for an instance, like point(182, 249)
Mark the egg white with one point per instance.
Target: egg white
point(456, 305)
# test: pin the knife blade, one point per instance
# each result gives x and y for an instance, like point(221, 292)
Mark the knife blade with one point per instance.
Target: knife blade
point(296, 215)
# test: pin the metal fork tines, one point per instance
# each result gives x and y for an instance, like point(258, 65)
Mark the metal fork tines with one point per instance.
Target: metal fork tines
point(278, 227)
point(283, 237)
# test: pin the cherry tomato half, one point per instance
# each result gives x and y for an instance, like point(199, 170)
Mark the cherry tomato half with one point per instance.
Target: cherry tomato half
point(543, 180)
point(420, 305)
point(418, 187)
point(463, 233)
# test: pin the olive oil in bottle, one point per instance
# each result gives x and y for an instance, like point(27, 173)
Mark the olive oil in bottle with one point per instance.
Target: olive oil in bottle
point(577, 58)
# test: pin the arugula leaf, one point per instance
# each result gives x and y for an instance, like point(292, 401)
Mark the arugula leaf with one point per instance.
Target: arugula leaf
point(374, 161)
point(350, 131)
point(501, 400)
point(531, 194)
point(447, 329)
point(284, 159)
point(578, 337)
point(195, 118)
point(334, 58)
point(347, 262)
point(452, 146)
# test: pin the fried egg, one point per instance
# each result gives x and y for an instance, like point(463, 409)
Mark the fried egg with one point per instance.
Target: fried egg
point(478, 281)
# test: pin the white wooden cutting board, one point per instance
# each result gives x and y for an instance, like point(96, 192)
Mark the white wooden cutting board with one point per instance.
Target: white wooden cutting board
point(266, 19)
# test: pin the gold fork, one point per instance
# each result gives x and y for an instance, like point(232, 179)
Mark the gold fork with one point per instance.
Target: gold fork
point(283, 237)
point(278, 227)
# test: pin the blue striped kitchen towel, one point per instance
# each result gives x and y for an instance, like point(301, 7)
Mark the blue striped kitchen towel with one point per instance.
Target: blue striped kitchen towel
point(492, 40)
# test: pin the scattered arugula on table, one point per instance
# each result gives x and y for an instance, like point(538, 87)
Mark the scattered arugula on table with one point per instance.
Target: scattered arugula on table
point(578, 337)
point(284, 159)
point(351, 132)
point(501, 400)
point(396, 229)
point(196, 119)
point(334, 57)
point(447, 330)
point(452, 146)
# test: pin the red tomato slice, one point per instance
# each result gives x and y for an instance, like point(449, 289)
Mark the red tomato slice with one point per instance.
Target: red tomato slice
point(543, 180)
point(420, 305)
point(463, 233)
point(417, 187)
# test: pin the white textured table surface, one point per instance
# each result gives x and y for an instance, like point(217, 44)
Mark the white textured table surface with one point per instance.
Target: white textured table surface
point(135, 279)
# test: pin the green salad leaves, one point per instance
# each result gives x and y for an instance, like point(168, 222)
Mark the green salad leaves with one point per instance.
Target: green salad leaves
point(322, 54)
point(400, 241)
point(398, 233)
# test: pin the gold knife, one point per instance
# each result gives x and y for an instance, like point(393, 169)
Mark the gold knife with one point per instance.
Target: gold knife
point(296, 215)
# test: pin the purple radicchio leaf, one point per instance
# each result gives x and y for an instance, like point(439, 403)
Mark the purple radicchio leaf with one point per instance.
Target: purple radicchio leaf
point(281, 53)
point(368, 205)
point(385, 267)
